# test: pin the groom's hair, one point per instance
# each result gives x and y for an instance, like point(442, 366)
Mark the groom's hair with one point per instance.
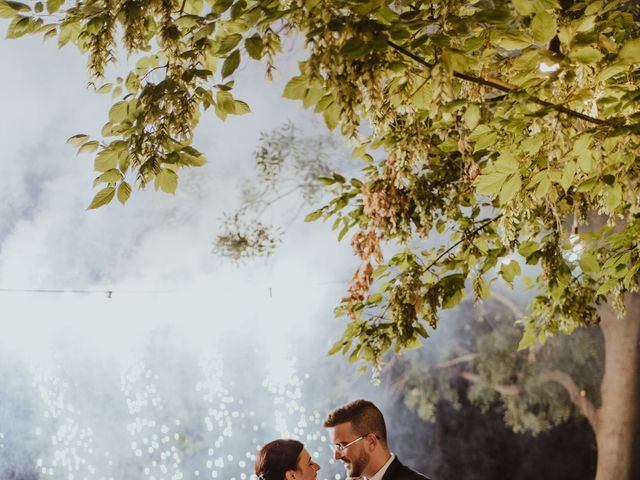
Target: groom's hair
point(363, 415)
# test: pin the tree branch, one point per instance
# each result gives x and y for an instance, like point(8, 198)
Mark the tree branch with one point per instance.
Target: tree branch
point(507, 302)
point(502, 86)
point(507, 390)
point(578, 397)
point(457, 360)
point(463, 239)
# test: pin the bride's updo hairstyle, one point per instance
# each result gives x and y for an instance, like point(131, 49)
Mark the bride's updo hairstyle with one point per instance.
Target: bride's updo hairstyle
point(276, 458)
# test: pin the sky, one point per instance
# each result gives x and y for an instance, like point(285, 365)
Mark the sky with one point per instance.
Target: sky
point(191, 360)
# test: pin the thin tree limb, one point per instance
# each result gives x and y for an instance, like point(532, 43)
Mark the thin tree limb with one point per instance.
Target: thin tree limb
point(500, 85)
point(577, 395)
point(510, 304)
point(507, 390)
point(463, 239)
point(457, 360)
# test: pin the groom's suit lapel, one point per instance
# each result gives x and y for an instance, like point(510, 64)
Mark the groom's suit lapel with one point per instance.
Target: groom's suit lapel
point(391, 471)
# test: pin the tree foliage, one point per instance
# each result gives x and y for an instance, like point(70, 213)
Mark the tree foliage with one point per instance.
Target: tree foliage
point(502, 128)
point(530, 387)
point(289, 171)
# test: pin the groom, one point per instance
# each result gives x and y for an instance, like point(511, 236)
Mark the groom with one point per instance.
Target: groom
point(359, 437)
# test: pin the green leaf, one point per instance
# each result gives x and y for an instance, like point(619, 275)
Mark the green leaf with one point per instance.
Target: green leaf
point(21, 26)
point(77, 140)
point(354, 48)
point(119, 111)
point(192, 157)
point(124, 191)
point(510, 270)
point(582, 144)
point(221, 6)
point(51, 33)
point(483, 136)
point(132, 83)
point(472, 116)
point(630, 52)
point(241, 107)
point(69, 30)
point(529, 337)
point(524, 7)
point(531, 145)
point(589, 263)
point(630, 276)
point(336, 347)
point(510, 188)
point(613, 197)
point(254, 46)
point(584, 24)
point(607, 286)
point(582, 151)
point(493, 15)
point(586, 55)
point(106, 88)
point(544, 27)
point(89, 147)
point(610, 71)
point(359, 151)
point(413, 344)
point(112, 175)
point(225, 102)
point(528, 248)
point(453, 298)
point(105, 160)
point(511, 40)
point(507, 162)
point(332, 116)
point(296, 88)
point(229, 43)
point(313, 95)
point(343, 232)
point(231, 63)
point(167, 181)
point(103, 197)
point(313, 215)
point(54, 5)
point(455, 61)
point(6, 11)
point(490, 183)
point(543, 187)
point(422, 96)
point(568, 174)
point(324, 103)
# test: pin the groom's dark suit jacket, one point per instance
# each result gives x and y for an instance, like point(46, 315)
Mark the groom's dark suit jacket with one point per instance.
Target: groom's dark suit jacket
point(398, 471)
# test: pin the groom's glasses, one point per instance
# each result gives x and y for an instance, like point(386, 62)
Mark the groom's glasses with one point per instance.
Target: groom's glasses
point(339, 449)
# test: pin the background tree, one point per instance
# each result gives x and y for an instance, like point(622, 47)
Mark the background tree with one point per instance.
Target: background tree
point(288, 164)
point(505, 128)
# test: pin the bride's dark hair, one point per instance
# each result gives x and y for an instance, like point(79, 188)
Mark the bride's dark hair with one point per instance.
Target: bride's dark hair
point(276, 458)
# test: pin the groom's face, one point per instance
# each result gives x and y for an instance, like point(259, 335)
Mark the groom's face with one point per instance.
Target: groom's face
point(355, 457)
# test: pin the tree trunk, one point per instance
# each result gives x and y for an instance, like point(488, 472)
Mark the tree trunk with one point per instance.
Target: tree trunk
point(617, 415)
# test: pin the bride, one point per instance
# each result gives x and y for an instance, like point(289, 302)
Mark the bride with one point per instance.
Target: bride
point(285, 460)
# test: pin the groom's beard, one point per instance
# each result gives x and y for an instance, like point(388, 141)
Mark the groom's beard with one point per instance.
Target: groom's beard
point(358, 464)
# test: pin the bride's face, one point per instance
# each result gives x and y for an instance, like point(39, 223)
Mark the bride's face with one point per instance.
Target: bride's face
point(307, 469)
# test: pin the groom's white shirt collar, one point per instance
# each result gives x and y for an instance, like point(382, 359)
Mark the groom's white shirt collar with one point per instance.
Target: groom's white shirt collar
point(380, 473)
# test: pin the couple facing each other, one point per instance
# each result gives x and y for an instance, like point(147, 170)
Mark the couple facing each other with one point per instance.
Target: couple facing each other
point(359, 440)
